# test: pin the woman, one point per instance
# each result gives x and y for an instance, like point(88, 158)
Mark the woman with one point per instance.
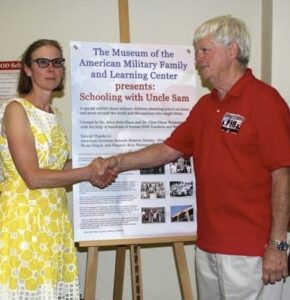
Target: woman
point(37, 255)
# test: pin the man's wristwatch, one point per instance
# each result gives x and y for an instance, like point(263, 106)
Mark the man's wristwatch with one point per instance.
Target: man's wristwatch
point(280, 245)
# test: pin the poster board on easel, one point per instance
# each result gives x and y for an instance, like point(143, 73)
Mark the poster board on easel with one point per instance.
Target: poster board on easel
point(125, 97)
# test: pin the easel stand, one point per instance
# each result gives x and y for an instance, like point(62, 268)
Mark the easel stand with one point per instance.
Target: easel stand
point(136, 270)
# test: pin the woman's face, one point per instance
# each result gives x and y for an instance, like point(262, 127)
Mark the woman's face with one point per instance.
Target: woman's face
point(45, 78)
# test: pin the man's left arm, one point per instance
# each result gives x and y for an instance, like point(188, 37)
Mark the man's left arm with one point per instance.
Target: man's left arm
point(275, 260)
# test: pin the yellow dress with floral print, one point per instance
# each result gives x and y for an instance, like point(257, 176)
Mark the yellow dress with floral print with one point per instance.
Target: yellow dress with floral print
point(37, 254)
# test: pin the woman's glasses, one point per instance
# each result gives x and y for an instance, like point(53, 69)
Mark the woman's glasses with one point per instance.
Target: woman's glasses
point(44, 62)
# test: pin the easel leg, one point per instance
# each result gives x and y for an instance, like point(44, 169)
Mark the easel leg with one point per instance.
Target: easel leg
point(124, 21)
point(91, 273)
point(182, 271)
point(135, 258)
point(119, 272)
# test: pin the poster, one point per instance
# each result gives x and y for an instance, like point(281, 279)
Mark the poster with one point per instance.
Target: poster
point(126, 97)
point(9, 73)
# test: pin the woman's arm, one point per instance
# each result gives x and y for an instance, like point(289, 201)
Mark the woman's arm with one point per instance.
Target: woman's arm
point(21, 144)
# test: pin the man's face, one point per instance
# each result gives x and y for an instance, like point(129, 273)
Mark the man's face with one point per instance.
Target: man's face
point(213, 59)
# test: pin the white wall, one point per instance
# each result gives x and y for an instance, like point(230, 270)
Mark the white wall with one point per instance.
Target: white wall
point(281, 48)
point(281, 63)
point(151, 21)
point(173, 22)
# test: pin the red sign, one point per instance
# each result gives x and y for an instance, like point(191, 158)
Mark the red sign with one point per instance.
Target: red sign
point(10, 65)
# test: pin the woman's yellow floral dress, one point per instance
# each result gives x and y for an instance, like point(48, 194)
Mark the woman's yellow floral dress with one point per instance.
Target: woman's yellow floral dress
point(37, 254)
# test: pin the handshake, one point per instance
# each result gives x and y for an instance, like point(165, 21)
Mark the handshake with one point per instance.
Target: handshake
point(103, 171)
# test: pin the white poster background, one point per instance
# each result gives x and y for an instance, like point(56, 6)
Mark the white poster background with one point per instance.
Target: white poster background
point(126, 97)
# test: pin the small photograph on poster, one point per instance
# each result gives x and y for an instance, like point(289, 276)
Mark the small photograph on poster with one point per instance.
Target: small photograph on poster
point(182, 213)
point(152, 190)
point(181, 188)
point(153, 215)
point(181, 165)
point(150, 171)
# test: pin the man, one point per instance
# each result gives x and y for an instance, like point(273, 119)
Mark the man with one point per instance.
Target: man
point(239, 138)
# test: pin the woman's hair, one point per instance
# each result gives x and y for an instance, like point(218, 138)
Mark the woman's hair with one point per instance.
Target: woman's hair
point(227, 29)
point(25, 83)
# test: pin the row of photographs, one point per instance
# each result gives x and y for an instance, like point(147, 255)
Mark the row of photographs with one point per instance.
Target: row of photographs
point(156, 190)
point(179, 166)
point(179, 213)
